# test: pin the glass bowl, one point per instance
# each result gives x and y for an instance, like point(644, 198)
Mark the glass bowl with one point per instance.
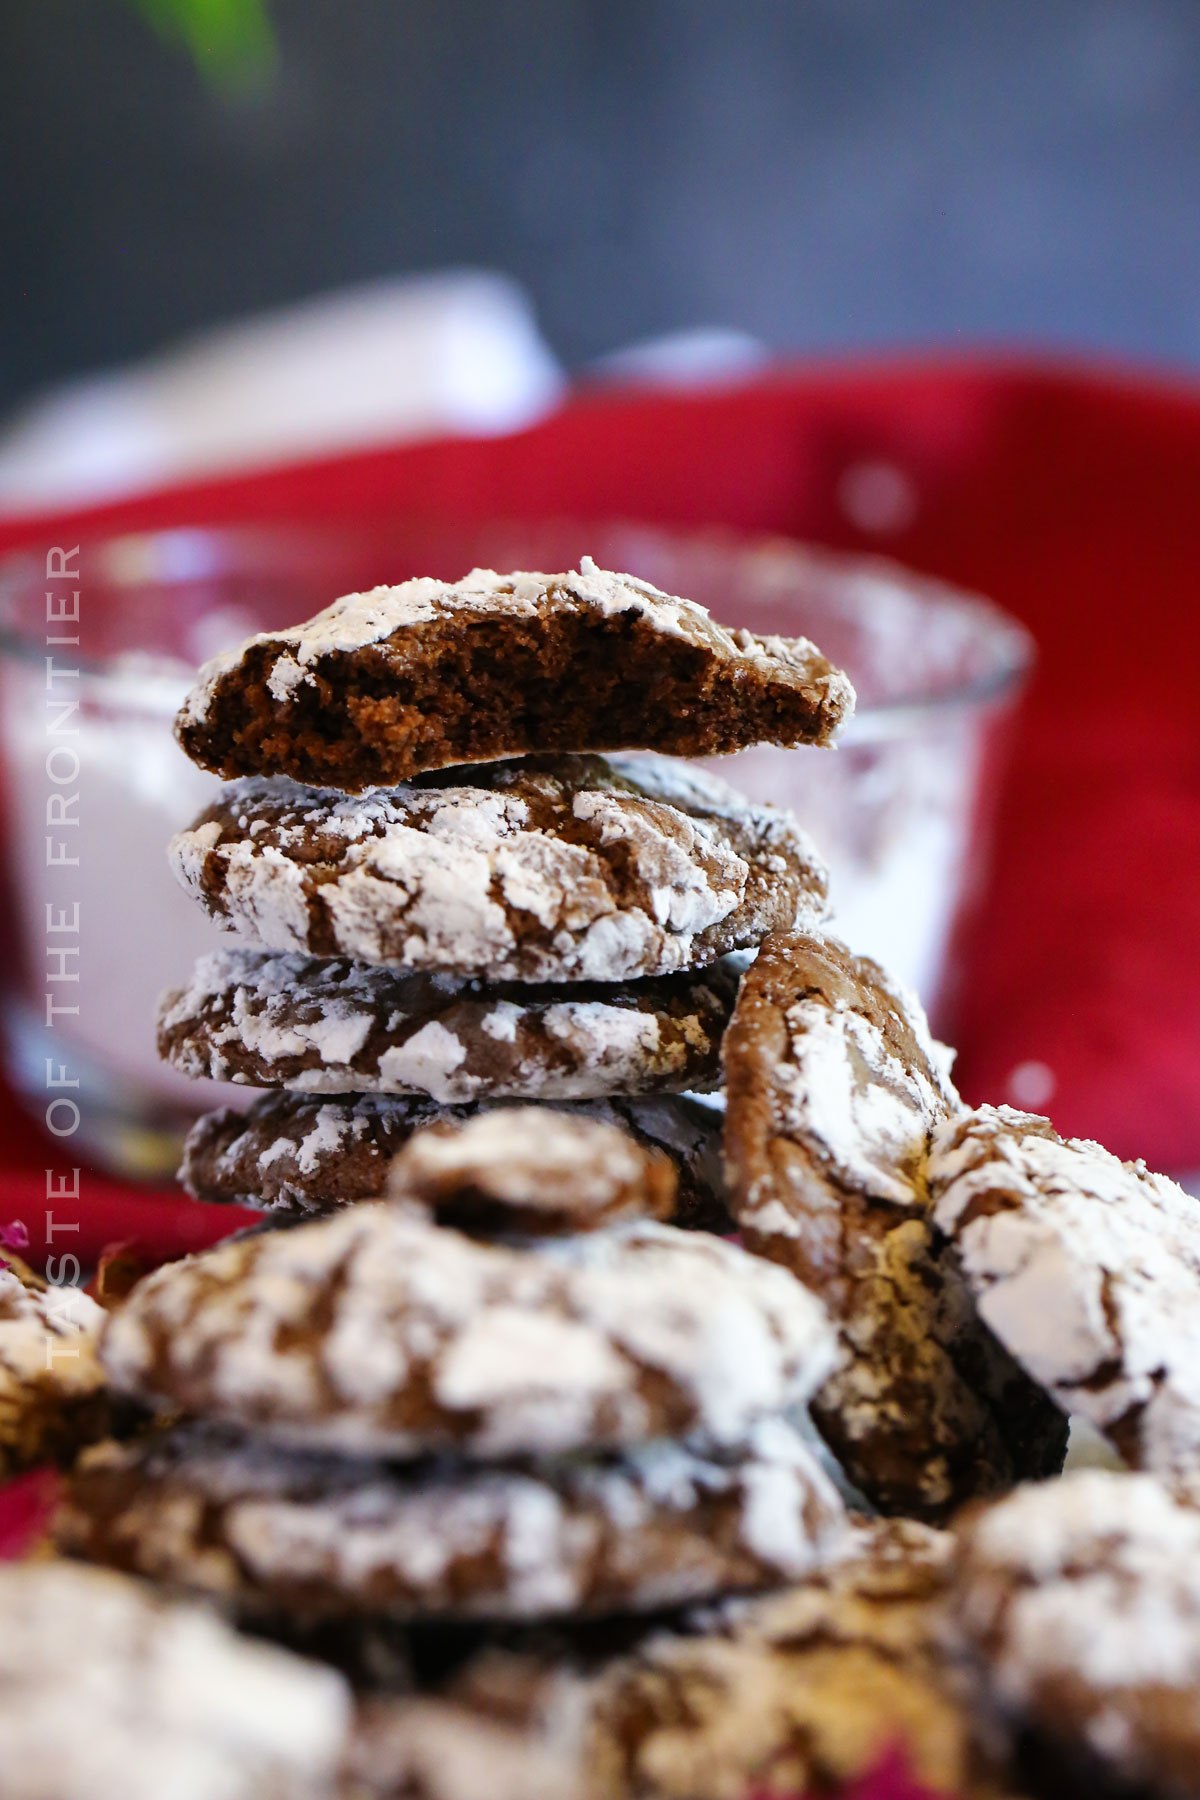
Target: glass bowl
point(99, 643)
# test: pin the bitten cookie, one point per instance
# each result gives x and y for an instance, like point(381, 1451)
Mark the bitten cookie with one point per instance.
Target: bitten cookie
point(382, 685)
point(298, 1155)
point(1081, 1600)
point(110, 1692)
point(276, 1531)
point(376, 1332)
point(834, 1088)
point(532, 1171)
point(326, 1026)
point(52, 1388)
point(555, 869)
point(800, 1692)
point(1087, 1269)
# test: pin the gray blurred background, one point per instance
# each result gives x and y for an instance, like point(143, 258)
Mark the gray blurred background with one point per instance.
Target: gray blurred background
point(827, 175)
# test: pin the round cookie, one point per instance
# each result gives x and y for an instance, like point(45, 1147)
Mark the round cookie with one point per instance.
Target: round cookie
point(377, 1332)
point(1087, 1269)
point(552, 869)
point(108, 1691)
point(430, 673)
point(327, 1026)
point(801, 1692)
point(300, 1155)
point(280, 1532)
point(53, 1394)
point(530, 1170)
point(1081, 1600)
point(834, 1089)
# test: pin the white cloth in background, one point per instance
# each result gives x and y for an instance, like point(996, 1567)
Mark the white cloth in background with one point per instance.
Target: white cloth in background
point(391, 360)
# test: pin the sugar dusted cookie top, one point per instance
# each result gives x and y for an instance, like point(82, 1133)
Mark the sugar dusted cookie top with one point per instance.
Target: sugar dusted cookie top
point(805, 1691)
point(530, 1169)
point(1081, 1600)
point(384, 684)
point(834, 1089)
point(108, 1691)
point(1087, 1269)
point(52, 1388)
point(377, 1332)
point(550, 869)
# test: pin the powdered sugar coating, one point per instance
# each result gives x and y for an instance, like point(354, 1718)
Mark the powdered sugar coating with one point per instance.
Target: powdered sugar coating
point(417, 1747)
point(110, 1692)
point(834, 1089)
point(51, 1382)
point(314, 1537)
point(328, 1026)
point(376, 1332)
point(532, 1169)
point(1081, 1599)
point(805, 1691)
point(1087, 1269)
point(548, 869)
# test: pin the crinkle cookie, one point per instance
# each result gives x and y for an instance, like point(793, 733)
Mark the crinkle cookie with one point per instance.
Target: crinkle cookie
point(834, 1089)
point(384, 684)
point(280, 1531)
point(1087, 1269)
point(800, 1692)
point(52, 1389)
point(299, 1155)
point(1081, 1600)
point(108, 1691)
point(327, 1026)
point(377, 1332)
point(529, 1170)
point(555, 869)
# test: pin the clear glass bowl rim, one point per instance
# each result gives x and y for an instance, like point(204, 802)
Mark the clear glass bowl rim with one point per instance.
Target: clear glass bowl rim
point(1011, 651)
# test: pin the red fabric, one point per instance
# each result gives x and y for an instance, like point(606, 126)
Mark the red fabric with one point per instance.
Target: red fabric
point(1071, 496)
point(891, 1780)
point(26, 1508)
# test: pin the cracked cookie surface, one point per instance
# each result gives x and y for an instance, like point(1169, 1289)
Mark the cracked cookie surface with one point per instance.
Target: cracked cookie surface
point(328, 1026)
point(302, 1155)
point(377, 1332)
point(802, 1691)
point(531, 1171)
point(385, 684)
point(834, 1090)
point(52, 1388)
point(1081, 1600)
point(1087, 1269)
point(272, 1530)
point(564, 868)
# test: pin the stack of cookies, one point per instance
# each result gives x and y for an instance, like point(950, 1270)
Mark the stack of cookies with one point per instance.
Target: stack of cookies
point(515, 1389)
point(425, 931)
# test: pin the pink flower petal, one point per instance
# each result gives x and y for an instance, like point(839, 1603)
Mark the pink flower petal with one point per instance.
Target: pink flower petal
point(890, 1780)
point(26, 1505)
